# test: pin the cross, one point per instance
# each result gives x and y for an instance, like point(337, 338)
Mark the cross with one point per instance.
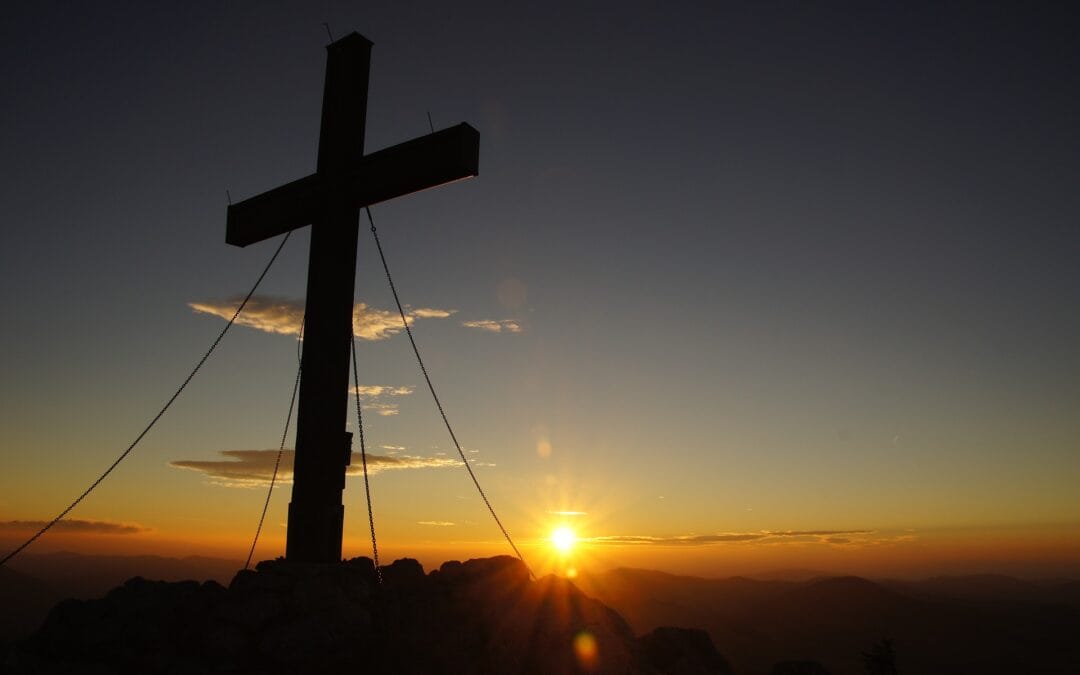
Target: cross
point(345, 181)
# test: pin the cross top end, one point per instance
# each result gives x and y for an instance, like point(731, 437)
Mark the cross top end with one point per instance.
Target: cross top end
point(353, 40)
point(345, 175)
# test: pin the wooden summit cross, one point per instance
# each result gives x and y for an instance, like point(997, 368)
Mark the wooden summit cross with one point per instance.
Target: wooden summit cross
point(330, 200)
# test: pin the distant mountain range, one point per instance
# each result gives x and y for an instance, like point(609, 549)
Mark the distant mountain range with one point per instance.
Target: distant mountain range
point(950, 624)
point(32, 583)
point(967, 624)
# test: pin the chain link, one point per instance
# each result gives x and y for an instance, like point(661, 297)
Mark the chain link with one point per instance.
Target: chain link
point(363, 461)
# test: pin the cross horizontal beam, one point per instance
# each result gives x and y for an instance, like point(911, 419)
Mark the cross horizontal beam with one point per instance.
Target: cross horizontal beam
point(426, 162)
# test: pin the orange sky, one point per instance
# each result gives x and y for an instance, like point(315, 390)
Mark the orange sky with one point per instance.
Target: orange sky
point(1037, 552)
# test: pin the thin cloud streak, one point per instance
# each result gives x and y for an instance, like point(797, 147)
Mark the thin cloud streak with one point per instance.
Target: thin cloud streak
point(251, 468)
point(373, 394)
point(73, 526)
point(494, 325)
point(383, 409)
point(283, 316)
point(764, 536)
point(376, 390)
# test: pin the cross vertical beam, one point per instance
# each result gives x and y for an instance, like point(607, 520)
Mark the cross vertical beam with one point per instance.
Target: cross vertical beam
point(345, 181)
point(316, 513)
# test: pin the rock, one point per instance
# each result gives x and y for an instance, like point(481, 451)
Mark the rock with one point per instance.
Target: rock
point(363, 568)
point(251, 611)
point(502, 569)
point(404, 573)
point(683, 651)
point(480, 616)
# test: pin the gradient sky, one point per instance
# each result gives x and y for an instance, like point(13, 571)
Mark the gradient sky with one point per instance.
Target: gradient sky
point(778, 285)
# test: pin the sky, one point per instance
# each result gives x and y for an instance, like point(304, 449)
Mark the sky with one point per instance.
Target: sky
point(739, 287)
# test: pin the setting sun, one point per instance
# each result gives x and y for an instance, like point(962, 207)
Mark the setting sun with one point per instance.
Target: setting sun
point(563, 539)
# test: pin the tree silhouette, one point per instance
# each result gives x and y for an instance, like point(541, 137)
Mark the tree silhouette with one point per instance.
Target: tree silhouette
point(881, 659)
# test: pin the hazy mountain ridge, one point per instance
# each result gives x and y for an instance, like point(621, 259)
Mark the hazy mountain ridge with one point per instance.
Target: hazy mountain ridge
point(81, 575)
point(25, 601)
point(32, 583)
point(990, 588)
point(832, 620)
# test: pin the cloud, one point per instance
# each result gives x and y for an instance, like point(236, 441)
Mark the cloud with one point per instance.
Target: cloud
point(435, 523)
point(379, 324)
point(685, 540)
point(429, 313)
point(568, 513)
point(816, 533)
point(384, 409)
point(251, 468)
point(373, 392)
point(764, 536)
point(263, 312)
point(494, 326)
point(376, 390)
point(72, 527)
point(283, 316)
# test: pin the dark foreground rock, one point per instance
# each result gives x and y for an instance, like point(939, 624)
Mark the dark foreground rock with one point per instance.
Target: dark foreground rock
point(683, 651)
point(481, 616)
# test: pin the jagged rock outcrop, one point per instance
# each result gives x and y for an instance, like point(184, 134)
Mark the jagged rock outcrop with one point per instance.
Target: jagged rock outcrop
point(480, 616)
point(683, 651)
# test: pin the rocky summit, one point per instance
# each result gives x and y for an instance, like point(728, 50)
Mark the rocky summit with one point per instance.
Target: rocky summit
point(480, 616)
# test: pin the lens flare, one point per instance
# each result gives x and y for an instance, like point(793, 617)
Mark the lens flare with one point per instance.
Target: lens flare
point(586, 650)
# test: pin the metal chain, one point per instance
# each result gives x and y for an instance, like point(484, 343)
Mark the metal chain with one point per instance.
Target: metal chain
point(363, 461)
point(438, 404)
point(277, 464)
point(160, 413)
point(284, 434)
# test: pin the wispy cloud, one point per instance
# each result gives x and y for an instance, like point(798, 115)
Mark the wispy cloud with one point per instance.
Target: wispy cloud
point(263, 312)
point(436, 523)
point(764, 536)
point(383, 409)
point(372, 395)
point(429, 313)
point(494, 325)
point(283, 316)
point(376, 390)
point(73, 526)
point(568, 513)
point(249, 468)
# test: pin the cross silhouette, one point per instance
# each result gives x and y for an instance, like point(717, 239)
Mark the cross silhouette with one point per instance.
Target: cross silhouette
point(345, 181)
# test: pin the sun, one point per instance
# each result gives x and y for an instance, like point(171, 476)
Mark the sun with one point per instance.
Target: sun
point(563, 539)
